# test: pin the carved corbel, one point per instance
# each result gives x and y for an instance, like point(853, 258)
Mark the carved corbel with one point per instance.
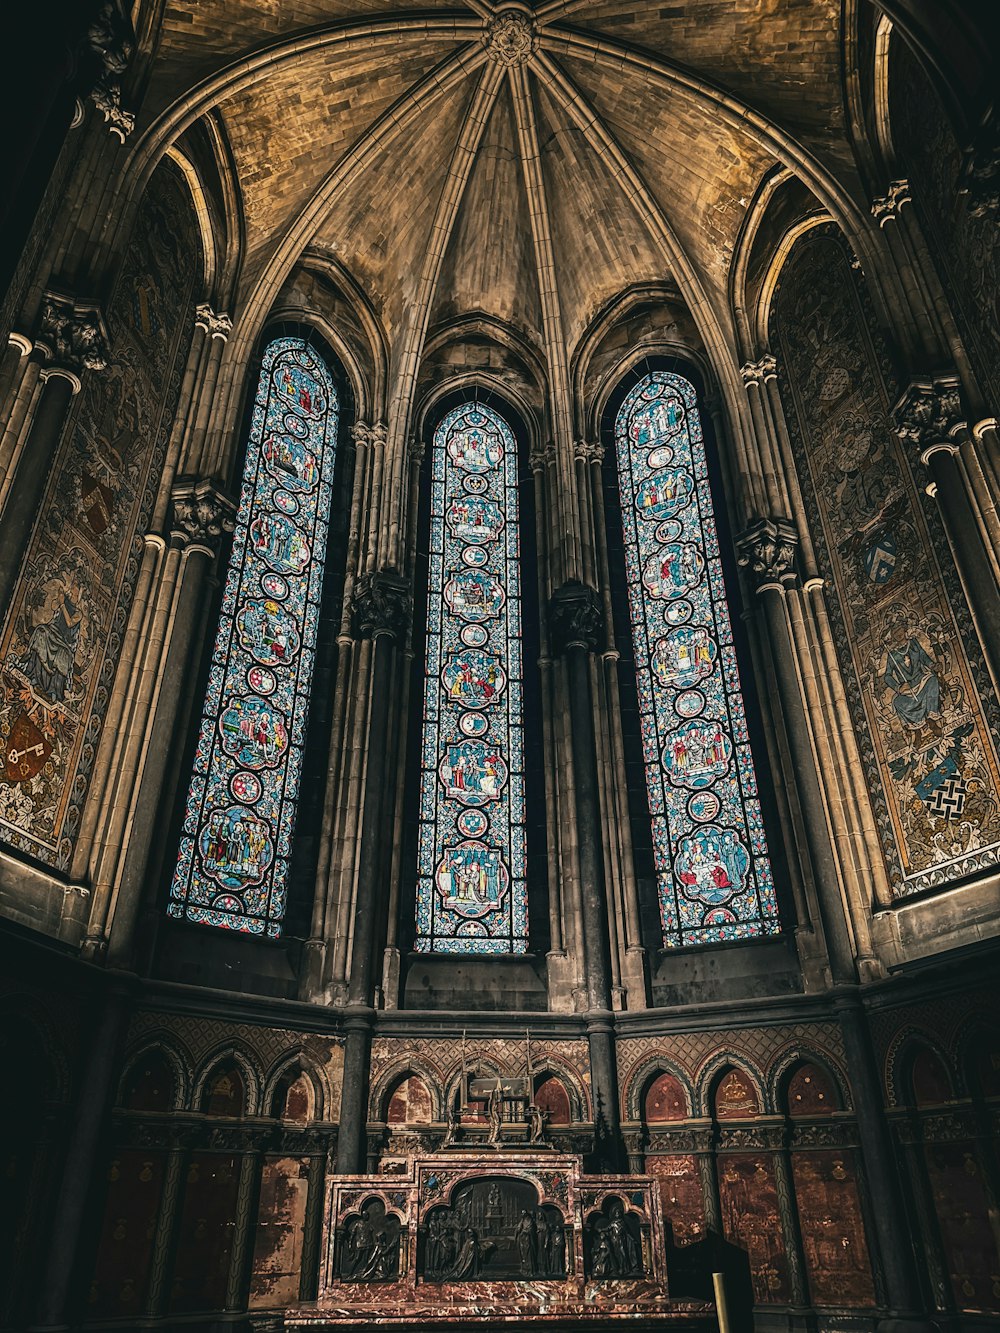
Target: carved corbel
point(886, 207)
point(112, 40)
point(767, 550)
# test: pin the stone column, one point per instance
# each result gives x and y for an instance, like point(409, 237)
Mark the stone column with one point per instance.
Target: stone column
point(312, 1231)
point(789, 1214)
point(71, 339)
point(167, 1222)
point(930, 418)
point(244, 1224)
point(381, 612)
point(576, 622)
point(57, 1267)
point(767, 549)
point(909, 1131)
point(201, 515)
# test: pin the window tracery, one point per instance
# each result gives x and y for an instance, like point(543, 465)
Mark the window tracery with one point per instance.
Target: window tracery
point(471, 893)
point(232, 865)
point(713, 872)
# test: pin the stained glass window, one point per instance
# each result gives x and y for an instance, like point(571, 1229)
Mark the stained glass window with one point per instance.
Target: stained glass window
point(232, 868)
point(471, 895)
point(712, 868)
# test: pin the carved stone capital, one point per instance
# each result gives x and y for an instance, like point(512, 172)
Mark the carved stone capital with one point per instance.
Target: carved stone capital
point(510, 38)
point(111, 38)
point(576, 617)
point(930, 416)
point(757, 372)
point(589, 451)
point(372, 435)
point(381, 605)
point(886, 207)
point(71, 335)
point(767, 549)
point(107, 97)
point(201, 512)
point(416, 449)
point(216, 323)
point(980, 177)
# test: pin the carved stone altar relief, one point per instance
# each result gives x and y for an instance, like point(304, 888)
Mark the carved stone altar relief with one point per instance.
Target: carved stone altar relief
point(63, 633)
point(919, 694)
point(494, 1228)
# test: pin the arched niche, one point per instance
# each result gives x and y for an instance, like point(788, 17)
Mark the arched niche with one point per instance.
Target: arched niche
point(150, 1084)
point(552, 1096)
point(225, 1091)
point(410, 1102)
point(294, 1097)
point(929, 1082)
point(810, 1092)
point(736, 1096)
point(664, 1100)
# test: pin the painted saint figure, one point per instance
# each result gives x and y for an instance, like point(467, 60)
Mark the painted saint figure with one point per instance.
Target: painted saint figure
point(52, 645)
point(908, 670)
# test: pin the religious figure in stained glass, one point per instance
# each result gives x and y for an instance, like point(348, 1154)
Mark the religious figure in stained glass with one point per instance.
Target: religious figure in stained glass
point(471, 895)
point(713, 870)
point(232, 866)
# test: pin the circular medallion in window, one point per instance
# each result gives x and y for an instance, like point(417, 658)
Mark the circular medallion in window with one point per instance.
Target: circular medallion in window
point(475, 485)
point(274, 586)
point(262, 681)
point(475, 557)
point(668, 531)
point(474, 636)
point(689, 704)
point(472, 823)
point(679, 612)
point(703, 806)
point(245, 787)
point(286, 502)
point(473, 724)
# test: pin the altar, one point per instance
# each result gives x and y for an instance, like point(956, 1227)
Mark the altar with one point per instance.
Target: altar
point(469, 1237)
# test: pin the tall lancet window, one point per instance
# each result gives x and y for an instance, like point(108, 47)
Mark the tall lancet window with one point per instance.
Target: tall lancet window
point(471, 894)
point(712, 867)
point(232, 868)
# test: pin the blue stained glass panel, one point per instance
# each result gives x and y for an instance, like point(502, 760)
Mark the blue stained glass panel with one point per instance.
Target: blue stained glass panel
point(471, 894)
point(232, 865)
point(712, 867)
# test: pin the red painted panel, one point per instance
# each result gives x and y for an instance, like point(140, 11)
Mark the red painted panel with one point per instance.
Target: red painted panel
point(297, 1101)
point(736, 1097)
point(681, 1195)
point(551, 1096)
point(833, 1231)
point(410, 1103)
point(810, 1093)
point(225, 1093)
point(208, 1213)
point(135, 1183)
point(750, 1218)
point(969, 1243)
point(277, 1256)
point(665, 1100)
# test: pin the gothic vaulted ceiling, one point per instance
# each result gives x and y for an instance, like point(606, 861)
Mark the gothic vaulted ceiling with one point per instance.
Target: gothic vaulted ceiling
point(526, 163)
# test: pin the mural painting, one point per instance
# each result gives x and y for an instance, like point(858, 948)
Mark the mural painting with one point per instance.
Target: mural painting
point(281, 1217)
point(62, 636)
point(915, 679)
point(749, 1198)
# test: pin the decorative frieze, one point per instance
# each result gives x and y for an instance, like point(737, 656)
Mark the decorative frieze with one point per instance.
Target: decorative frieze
point(576, 617)
point(767, 549)
point(381, 605)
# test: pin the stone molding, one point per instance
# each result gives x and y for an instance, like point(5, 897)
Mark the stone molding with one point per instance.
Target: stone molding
point(576, 617)
point(930, 416)
point(767, 549)
point(510, 38)
point(381, 604)
point(201, 512)
point(71, 335)
point(216, 323)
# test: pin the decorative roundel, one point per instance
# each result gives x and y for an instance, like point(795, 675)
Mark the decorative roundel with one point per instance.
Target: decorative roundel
point(474, 636)
point(286, 502)
point(245, 786)
point(679, 612)
point(472, 823)
point(473, 724)
point(296, 426)
point(474, 485)
point(274, 586)
point(262, 681)
point(668, 531)
point(689, 704)
point(660, 457)
point(703, 806)
point(475, 557)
